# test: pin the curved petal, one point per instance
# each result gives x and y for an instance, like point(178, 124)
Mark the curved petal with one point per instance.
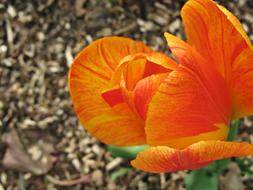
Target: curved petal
point(183, 110)
point(164, 159)
point(113, 96)
point(141, 65)
point(242, 85)
point(216, 34)
point(236, 23)
point(191, 104)
point(89, 76)
point(158, 58)
point(144, 91)
point(137, 78)
point(203, 68)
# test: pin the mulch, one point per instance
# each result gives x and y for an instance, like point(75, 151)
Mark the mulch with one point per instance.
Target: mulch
point(38, 40)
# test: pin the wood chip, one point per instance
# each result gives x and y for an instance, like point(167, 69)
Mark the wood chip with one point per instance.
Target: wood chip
point(68, 55)
point(114, 163)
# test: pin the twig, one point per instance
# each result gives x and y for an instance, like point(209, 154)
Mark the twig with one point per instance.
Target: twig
point(10, 35)
point(68, 56)
point(126, 29)
point(21, 182)
point(82, 179)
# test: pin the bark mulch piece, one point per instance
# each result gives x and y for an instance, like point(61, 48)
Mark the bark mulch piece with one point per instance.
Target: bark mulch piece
point(38, 40)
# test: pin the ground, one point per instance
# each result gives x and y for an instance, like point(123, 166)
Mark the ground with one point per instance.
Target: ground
point(38, 40)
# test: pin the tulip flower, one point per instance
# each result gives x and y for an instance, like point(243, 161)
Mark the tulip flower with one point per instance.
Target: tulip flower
point(127, 94)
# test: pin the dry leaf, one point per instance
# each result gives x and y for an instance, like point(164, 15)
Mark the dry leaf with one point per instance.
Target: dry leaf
point(16, 157)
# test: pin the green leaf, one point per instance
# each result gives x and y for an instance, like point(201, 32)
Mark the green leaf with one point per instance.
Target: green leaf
point(202, 179)
point(129, 152)
point(221, 165)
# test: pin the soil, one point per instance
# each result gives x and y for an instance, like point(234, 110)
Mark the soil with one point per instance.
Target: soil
point(38, 40)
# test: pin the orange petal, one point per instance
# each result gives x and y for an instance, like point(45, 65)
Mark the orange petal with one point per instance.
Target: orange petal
point(141, 65)
point(89, 76)
point(158, 58)
point(203, 68)
point(137, 78)
point(133, 72)
point(164, 159)
point(183, 111)
point(236, 23)
point(191, 104)
point(113, 96)
point(216, 34)
point(144, 91)
point(242, 85)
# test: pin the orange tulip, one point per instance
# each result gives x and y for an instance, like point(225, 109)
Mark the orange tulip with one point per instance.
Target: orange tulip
point(124, 93)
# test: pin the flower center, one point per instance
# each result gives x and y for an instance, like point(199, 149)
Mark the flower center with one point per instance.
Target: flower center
point(136, 80)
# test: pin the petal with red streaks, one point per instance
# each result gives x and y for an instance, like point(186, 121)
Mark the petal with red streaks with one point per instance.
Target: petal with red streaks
point(89, 76)
point(165, 159)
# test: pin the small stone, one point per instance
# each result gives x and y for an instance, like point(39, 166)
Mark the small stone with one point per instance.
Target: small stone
point(245, 27)
point(71, 147)
point(95, 149)
point(89, 38)
point(114, 163)
point(69, 134)
point(27, 176)
point(29, 122)
point(145, 25)
point(161, 6)
point(68, 55)
point(40, 36)
point(97, 177)
point(35, 152)
point(2, 7)
point(90, 163)
point(174, 25)
point(67, 26)
point(71, 156)
point(4, 178)
point(87, 157)
point(248, 17)
point(3, 49)
point(24, 18)
point(247, 122)
point(44, 160)
point(79, 10)
point(76, 164)
point(105, 32)
point(242, 3)
point(87, 150)
point(159, 19)
point(11, 11)
point(142, 185)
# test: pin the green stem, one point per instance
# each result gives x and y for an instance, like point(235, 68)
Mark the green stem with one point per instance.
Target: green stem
point(234, 127)
point(207, 177)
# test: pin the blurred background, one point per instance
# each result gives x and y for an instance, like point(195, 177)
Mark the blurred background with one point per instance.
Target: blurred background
point(42, 146)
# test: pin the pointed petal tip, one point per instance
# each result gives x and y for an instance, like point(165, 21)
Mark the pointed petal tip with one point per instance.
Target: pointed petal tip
point(218, 35)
